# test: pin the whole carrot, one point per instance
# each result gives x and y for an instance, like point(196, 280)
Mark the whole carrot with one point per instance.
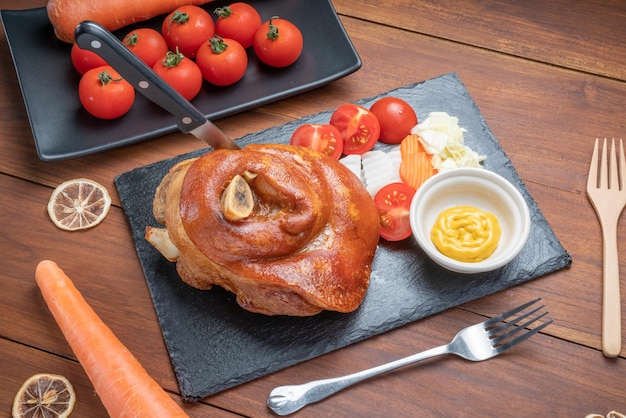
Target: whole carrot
point(123, 385)
point(112, 14)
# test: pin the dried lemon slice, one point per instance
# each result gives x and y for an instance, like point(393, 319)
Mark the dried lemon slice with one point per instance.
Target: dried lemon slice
point(44, 395)
point(78, 204)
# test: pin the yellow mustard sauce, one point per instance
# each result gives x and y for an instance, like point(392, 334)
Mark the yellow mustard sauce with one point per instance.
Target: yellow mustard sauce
point(465, 233)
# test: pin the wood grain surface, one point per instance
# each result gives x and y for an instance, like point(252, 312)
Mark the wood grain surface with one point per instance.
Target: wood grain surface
point(549, 77)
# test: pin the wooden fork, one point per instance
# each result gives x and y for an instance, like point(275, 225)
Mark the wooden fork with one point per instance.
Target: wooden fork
point(608, 199)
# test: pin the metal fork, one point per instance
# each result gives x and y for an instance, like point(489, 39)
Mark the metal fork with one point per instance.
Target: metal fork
point(608, 199)
point(476, 343)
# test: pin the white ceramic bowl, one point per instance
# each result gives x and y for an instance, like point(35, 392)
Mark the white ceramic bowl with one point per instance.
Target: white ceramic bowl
point(484, 190)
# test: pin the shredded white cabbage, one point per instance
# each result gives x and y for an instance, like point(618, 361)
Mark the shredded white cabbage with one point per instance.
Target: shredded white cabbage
point(441, 136)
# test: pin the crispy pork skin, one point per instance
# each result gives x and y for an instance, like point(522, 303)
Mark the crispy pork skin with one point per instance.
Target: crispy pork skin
point(306, 244)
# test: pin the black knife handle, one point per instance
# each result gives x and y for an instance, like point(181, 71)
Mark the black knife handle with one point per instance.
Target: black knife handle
point(93, 37)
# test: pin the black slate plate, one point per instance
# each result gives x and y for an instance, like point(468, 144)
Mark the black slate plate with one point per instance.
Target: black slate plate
point(63, 129)
point(214, 344)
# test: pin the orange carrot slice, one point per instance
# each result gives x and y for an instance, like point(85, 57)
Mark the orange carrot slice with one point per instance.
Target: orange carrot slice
point(416, 169)
point(411, 145)
point(416, 166)
point(124, 386)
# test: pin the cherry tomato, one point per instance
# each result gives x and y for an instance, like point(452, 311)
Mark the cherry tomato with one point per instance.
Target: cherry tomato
point(324, 138)
point(358, 126)
point(84, 60)
point(186, 28)
point(222, 61)
point(278, 42)
point(181, 73)
point(148, 44)
point(239, 21)
point(104, 93)
point(393, 202)
point(396, 118)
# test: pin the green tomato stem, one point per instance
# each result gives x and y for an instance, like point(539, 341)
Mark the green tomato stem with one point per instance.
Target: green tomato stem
point(131, 40)
point(105, 78)
point(223, 11)
point(272, 32)
point(179, 17)
point(218, 45)
point(172, 59)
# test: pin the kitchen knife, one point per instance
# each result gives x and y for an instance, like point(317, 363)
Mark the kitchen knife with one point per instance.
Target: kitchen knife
point(93, 37)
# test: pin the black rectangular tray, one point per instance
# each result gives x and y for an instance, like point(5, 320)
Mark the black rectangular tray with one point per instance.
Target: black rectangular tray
point(215, 345)
point(63, 129)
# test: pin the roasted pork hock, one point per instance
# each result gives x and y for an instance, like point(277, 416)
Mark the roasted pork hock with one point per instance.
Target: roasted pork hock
point(287, 230)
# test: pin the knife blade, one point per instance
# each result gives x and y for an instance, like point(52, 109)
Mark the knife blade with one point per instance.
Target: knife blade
point(94, 37)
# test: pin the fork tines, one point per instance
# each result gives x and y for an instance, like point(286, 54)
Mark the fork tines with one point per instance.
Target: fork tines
point(611, 171)
point(501, 329)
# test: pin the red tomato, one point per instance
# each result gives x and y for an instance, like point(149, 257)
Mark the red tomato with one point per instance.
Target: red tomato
point(104, 93)
point(239, 21)
point(84, 60)
point(186, 28)
point(358, 126)
point(396, 118)
point(181, 73)
point(323, 138)
point(148, 44)
point(278, 42)
point(222, 61)
point(393, 203)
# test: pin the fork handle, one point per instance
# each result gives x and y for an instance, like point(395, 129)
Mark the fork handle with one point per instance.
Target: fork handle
point(611, 305)
point(285, 400)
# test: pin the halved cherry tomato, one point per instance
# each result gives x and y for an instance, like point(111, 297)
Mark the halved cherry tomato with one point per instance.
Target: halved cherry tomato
point(84, 60)
point(147, 43)
point(186, 28)
point(358, 126)
point(324, 138)
point(104, 93)
point(239, 21)
point(181, 73)
point(393, 202)
point(222, 61)
point(396, 118)
point(278, 42)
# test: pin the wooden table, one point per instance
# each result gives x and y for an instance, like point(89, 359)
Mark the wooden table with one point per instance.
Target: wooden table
point(549, 77)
